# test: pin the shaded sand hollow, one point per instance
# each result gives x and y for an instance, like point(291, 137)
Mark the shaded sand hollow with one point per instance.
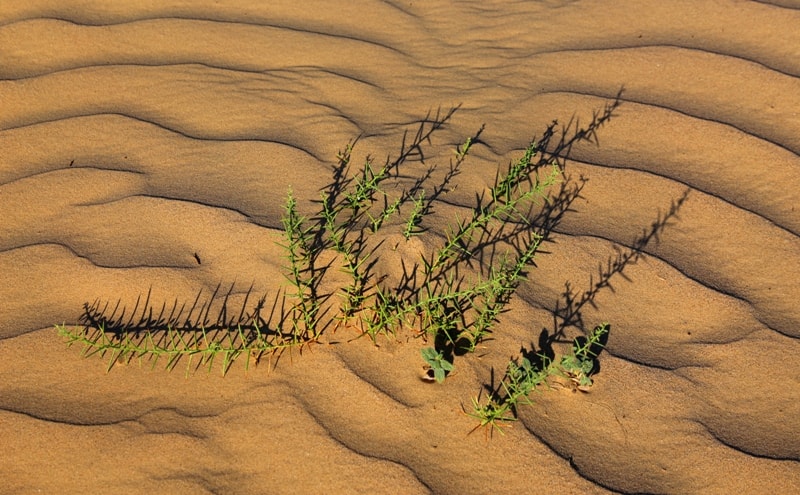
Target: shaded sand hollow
point(150, 145)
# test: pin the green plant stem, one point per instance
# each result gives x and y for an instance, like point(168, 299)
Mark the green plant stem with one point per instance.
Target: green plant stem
point(175, 345)
point(299, 253)
point(523, 378)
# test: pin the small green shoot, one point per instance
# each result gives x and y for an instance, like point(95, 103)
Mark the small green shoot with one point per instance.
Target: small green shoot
point(437, 362)
point(461, 151)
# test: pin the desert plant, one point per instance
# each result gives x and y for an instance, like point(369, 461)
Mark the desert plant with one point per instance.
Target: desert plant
point(454, 310)
point(441, 304)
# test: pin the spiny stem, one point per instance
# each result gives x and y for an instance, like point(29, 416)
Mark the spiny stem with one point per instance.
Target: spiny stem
point(523, 378)
point(416, 215)
point(299, 253)
point(503, 207)
point(176, 345)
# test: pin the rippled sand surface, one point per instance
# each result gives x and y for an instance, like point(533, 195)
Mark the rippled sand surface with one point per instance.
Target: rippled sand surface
point(149, 146)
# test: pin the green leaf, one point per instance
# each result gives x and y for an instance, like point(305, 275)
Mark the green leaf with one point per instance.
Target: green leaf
point(430, 355)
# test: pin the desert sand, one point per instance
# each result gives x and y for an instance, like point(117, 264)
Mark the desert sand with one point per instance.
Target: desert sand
point(148, 146)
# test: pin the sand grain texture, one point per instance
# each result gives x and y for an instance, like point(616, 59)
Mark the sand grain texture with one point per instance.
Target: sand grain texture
point(138, 135)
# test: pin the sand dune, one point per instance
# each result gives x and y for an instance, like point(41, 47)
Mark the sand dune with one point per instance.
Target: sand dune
point(149, 148)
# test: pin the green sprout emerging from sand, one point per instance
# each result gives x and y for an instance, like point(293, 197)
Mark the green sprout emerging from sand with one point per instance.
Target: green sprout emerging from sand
point(438, 365)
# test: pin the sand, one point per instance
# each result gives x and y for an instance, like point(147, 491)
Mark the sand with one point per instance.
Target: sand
point(150, 146)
